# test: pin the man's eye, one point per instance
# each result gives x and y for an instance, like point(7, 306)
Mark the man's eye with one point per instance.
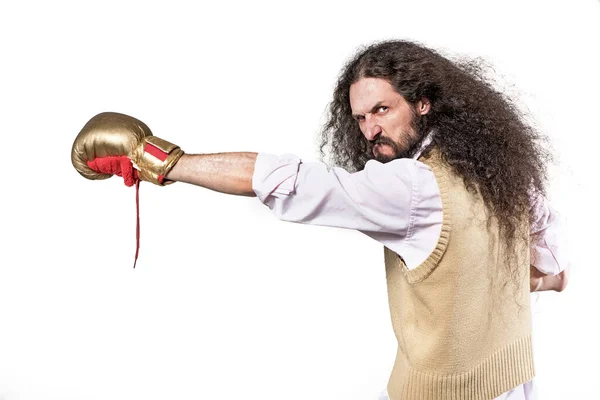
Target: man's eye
point(382, 109)
point(360, 118)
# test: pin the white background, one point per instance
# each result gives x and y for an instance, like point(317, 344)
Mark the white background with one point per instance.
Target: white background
point(227, 302)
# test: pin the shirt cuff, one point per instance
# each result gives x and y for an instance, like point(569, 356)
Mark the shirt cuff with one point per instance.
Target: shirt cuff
point(275, 175)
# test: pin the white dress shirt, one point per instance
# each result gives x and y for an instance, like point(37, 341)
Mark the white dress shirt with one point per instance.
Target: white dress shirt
point(397, 203)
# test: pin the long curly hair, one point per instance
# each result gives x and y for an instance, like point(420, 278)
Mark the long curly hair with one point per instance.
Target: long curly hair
point(481, 132)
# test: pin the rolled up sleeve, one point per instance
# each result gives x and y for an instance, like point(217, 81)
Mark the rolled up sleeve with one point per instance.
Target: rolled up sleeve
point(274, 176)
point(377, 199)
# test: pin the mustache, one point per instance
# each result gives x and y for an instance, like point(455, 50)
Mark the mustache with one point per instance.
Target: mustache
point(381, 140)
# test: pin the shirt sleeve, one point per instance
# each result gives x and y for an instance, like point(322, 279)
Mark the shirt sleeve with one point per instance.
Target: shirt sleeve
point(548, 243)
point(397, 203)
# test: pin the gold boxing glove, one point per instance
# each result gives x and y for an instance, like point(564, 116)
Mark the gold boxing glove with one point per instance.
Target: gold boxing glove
point(110, 142)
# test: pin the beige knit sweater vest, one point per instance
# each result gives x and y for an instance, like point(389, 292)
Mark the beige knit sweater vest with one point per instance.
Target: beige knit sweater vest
point(463, 328)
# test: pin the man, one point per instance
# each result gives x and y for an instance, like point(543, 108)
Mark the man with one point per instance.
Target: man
point(435, 164)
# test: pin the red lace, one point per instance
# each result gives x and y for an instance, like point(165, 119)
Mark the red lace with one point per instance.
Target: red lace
point(137, 226)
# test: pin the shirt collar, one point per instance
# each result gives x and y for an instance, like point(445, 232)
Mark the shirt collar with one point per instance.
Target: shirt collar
point(424, 143)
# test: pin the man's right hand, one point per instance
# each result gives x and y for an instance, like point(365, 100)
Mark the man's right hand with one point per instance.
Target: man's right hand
point(110, 142)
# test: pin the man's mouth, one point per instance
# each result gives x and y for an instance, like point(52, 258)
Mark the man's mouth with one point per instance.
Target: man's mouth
point(377, 147)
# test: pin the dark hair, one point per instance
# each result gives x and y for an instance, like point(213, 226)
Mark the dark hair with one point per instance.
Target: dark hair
point(480, 131)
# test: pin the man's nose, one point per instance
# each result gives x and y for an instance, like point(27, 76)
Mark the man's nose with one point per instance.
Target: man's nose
point(372, 129)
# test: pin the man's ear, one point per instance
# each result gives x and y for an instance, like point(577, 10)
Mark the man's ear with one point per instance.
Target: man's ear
point(423, 106)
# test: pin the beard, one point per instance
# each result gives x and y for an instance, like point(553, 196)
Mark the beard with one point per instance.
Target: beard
point(413, 142)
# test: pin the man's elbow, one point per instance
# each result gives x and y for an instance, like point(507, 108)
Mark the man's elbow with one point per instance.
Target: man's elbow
point(563, 280)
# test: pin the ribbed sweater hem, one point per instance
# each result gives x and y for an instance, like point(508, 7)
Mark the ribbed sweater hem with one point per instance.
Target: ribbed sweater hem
point(502, 371)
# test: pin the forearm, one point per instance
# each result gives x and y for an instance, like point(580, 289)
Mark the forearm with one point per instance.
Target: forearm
point(539, 282)
point(229, 173)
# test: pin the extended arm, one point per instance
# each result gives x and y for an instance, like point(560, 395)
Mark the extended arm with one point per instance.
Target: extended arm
point(382, 201)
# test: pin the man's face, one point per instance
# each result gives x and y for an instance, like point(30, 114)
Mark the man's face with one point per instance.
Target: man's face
point(385, 118)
